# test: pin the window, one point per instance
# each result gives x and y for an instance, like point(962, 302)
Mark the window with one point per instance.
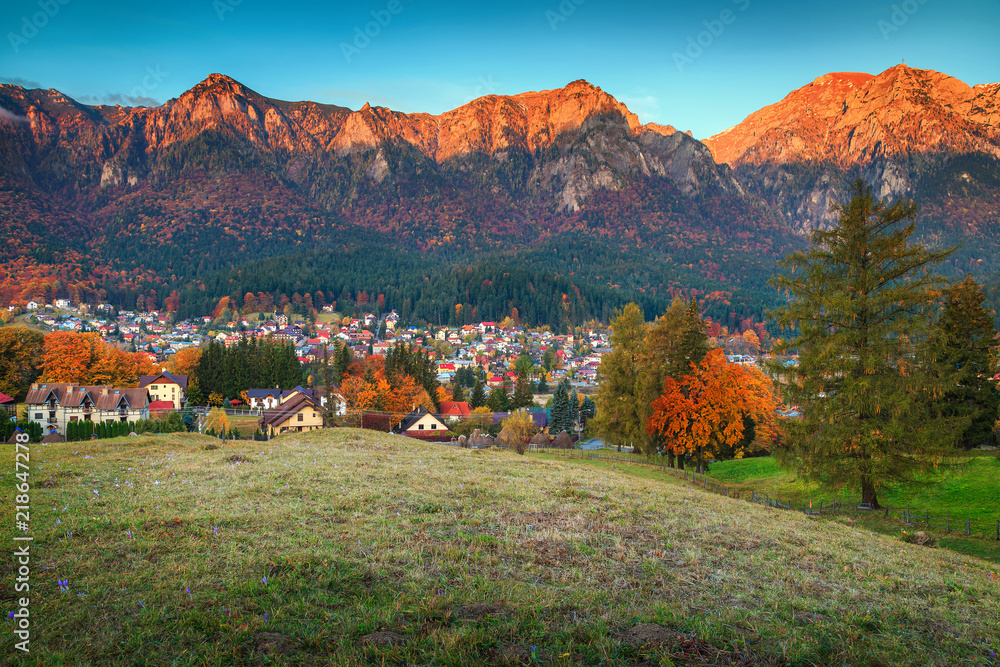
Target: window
point(300, 416)
point(420, 427)
point(434, 427)
point(38, 415)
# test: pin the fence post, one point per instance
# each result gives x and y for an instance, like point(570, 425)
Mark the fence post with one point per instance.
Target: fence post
point(968, 526)
point(947, 523)
point(906, 520)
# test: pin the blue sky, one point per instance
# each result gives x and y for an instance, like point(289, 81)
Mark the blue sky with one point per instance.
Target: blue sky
point(698, 66)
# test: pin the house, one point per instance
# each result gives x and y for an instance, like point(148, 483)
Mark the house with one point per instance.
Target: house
point(160, 408)
point(53, 405)
point(299, 412)
point(422, 424)
point(33, 305)
point(454, 409)
point(264, 398)
point(166, 387)
point(62, 303)
point(7, 404)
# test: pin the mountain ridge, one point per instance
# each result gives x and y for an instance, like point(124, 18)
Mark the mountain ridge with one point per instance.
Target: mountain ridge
point(222, 176)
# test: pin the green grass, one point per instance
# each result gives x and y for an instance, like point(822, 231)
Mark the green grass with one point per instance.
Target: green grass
point(310, 548)
point(970, 490)
point(246, 425)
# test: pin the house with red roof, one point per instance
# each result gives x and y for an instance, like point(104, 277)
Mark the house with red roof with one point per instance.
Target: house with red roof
point(7, 403)
point(454, 409)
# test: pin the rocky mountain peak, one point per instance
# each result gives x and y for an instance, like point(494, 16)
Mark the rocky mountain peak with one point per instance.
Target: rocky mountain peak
point(852, 118)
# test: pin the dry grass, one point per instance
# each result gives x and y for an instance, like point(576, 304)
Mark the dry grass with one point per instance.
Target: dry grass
point(351, 547)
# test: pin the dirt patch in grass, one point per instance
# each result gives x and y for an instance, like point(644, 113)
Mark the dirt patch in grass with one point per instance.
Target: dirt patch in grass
point(652, 634)
point(522, 654)
point(238, 458)
point(383, 639)
point(273, 643)
point(478, 610)
point(684, 648)
point(806, 617)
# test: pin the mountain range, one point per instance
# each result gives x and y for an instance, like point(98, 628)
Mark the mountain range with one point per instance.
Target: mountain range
point(558, 203)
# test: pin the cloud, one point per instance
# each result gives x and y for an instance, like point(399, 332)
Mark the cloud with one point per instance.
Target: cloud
point(12, 117)
point(119, 98)
point(18, 81)
point(644, 106)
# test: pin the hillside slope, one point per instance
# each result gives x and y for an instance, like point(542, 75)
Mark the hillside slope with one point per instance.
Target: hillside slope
point(326, 547)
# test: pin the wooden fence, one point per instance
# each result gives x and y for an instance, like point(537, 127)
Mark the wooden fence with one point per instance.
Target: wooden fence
point(908, 516)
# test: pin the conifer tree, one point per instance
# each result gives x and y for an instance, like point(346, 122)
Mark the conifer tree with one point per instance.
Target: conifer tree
point(478, 398)
point(966, 346)
point(561, 415)
point(861, 300)
point(498, 400)
point(574, 407)
point(456, 392)
point(523, 396)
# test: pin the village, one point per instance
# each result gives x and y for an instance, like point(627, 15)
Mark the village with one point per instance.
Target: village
point(489, 349)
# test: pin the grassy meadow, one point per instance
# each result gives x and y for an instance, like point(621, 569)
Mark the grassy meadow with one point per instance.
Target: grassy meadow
point(970, 489)
point(348, 547)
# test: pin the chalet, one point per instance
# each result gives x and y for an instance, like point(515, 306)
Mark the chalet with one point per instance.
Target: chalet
point(7, 404)
point(62, 303)
point(53, 405)
point(33, 305)
point(166, 387)
point(454, 409)
point(422, 424)
point(264, 398)
point(299, 412)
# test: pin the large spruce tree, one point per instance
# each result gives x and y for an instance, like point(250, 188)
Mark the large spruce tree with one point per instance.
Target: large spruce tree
point(861, 298)
point(561, 414)
point(478, 397)
point(967, 348)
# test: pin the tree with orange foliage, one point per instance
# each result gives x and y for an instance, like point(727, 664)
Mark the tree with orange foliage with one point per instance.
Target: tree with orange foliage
point(172, 302)
point(185, 361)
point(366, 388)
point(220, 307)
point(88, 360)
point(703, 412)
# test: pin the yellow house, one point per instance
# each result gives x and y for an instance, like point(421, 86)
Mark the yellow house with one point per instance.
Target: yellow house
point(298, 413)
point(166, 387)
